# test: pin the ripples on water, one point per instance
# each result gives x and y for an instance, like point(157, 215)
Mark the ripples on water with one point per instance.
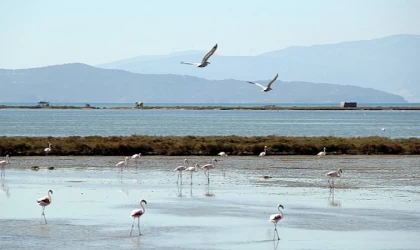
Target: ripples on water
point(103, 122)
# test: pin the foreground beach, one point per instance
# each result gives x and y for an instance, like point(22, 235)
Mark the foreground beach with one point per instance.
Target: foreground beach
point(374, 206)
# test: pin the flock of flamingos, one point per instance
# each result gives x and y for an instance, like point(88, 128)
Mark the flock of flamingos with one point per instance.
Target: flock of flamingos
point(137, 213)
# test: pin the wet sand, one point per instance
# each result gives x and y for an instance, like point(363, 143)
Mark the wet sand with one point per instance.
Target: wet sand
point(375, 204)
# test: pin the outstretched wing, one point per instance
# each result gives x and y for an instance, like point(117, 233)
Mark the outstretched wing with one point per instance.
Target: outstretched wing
point(269, 84)
point(259, 85)
point(209, 54)
point(196, 64)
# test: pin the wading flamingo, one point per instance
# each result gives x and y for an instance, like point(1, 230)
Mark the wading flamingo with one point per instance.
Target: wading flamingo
point(322, 153)
point(180, 169)
point(209, 167)
point(45, 201)
point(136, 157)
point(265, 151)
point(48, 150)
point(275, 218)
point(3, 164)
point(204, 62)
point(122, 164)
point(222, 154)
point(137, 213)
point(332, 175)
point(191, 170)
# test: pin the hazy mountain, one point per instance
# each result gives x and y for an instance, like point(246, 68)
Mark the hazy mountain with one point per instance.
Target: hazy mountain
point(84, 83)
point(389, 64)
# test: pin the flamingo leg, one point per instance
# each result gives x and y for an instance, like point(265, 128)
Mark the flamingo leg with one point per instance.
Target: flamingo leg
point(181, 176)
point(43, 214)
point(138, 224)
point(132, 226)
point(275, 230)
point(191, 178)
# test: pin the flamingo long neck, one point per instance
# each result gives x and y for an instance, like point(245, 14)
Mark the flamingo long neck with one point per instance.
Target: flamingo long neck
point(185, 163)
point(7, 159)
point(281, 213)
point(49, 195)
point(49, 145)
point(143, 208)
point(265, 149)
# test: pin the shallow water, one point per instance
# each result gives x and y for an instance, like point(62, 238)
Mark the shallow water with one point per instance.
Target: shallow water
point(375, 204)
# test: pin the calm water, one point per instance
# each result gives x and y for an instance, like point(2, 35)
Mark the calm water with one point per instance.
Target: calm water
point(105, 122)
point(375, 205)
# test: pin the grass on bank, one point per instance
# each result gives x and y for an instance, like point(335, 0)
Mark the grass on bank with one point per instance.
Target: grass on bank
point(205, 145)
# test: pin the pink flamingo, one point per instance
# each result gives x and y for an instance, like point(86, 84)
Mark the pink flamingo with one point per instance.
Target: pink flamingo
point(180, 169)
point(122, 164)
point(209, 167)
point(332, 175)
point(45, 201)
point(191, 170)
point(136, 157)
point(275, 218)
point(48, 150)
point(223, 154)
point(137, 213)
point(264, 152)
point(3, 164)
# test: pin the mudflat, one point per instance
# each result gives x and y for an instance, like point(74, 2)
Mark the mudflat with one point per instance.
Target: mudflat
point(374, 205)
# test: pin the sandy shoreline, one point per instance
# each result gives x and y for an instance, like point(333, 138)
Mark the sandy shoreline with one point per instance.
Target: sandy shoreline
point(374, 206)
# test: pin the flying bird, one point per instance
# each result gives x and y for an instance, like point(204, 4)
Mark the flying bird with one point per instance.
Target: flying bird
point(137, 213)
point(45, 201)
point(275, 218)
point(268, 88)
point(204, 62)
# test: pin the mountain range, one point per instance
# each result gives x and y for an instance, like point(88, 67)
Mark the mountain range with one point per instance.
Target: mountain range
point(76, 82)
point(389, 64)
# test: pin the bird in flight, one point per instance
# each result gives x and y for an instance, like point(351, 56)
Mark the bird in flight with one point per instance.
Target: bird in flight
point(268, 88)
point(204, 62)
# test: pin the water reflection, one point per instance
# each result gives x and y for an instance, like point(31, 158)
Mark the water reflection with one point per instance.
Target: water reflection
point(276, 244)
point(179, 190)
point(331, 201)
point(5, 189)
point(208, 193)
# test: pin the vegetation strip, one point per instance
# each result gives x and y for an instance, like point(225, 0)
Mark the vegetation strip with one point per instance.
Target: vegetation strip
point(205, 145)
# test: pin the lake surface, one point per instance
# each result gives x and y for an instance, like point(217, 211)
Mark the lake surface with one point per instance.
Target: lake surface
point(375, 204)
point(106, 122)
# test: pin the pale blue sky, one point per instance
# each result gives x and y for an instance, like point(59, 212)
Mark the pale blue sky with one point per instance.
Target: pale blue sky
point(46, 32)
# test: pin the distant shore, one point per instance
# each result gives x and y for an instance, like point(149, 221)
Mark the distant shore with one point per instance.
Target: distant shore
point(216, 107)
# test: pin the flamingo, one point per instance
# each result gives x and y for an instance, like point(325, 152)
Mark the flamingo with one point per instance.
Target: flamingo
point(322, 153)
point(137, 213)
point(222, 154)
point(122, 164)
point(209, 167)
point(275, 218)
point(204, 62)
point(45, 201)
point(180, 169)
point(48, 150)
point(3, 164)
point(268, 88)
point(136, 157)
point(191, 170)
point(333, 174)
point(263, 153)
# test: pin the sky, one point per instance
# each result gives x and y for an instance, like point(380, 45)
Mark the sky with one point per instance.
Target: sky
point(48, 32)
